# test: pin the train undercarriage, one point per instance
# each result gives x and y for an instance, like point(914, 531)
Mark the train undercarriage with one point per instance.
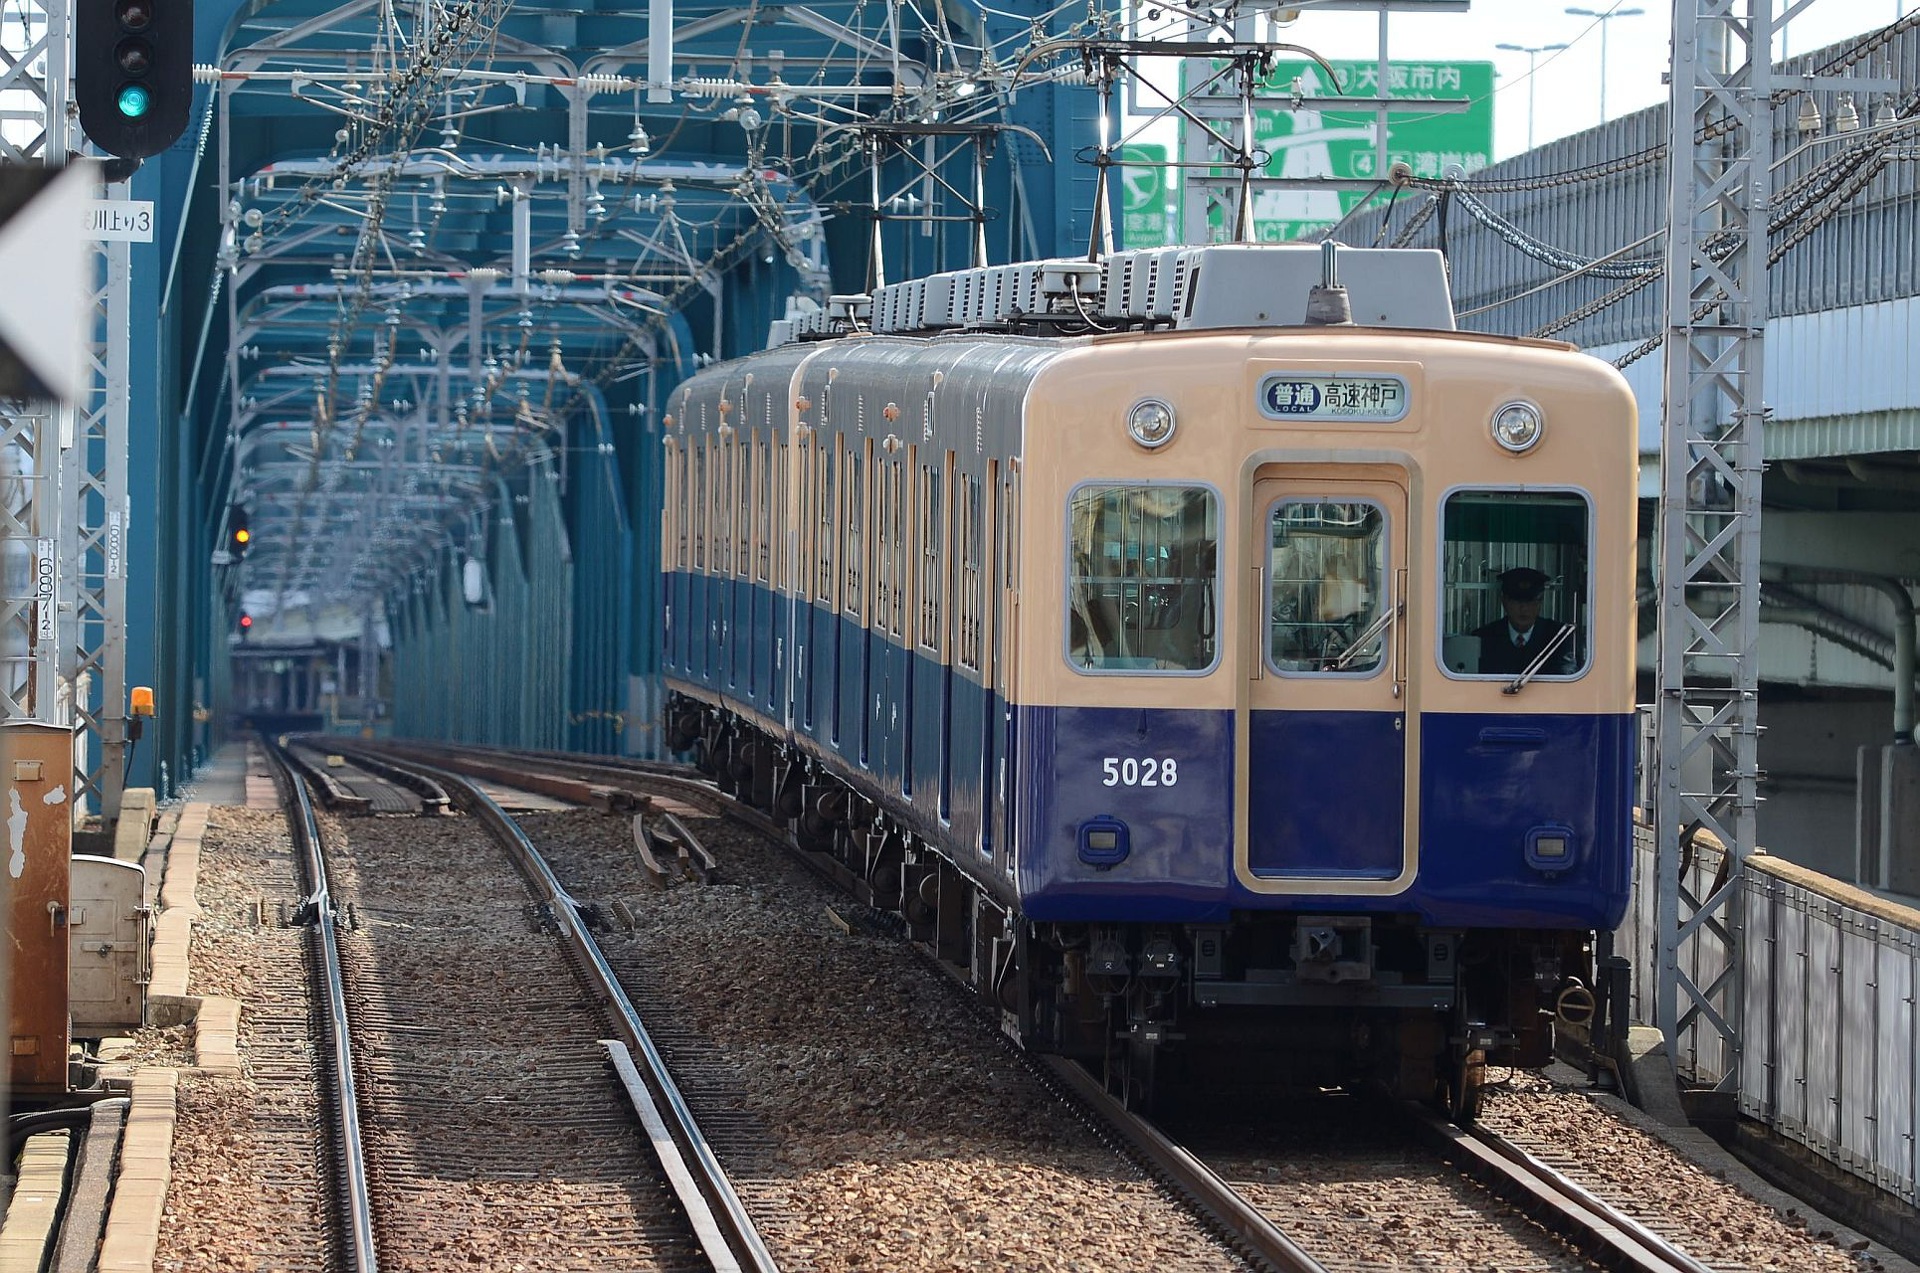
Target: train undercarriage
point(1269, 1000)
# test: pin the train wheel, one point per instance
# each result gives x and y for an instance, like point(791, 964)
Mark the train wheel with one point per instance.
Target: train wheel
point(1466, 1081)
point(1139, 1076)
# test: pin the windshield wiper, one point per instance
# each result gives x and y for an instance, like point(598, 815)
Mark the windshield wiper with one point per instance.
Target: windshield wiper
point(1539, 661)
point(1359, 643)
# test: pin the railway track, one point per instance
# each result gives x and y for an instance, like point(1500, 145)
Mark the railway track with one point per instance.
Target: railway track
point(500, 1100)
point(353, 1206)
point(1512, 1190)
point(829, 1119)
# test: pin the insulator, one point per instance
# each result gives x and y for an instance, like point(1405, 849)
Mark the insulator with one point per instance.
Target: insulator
point(698, 86)
point(605, 83)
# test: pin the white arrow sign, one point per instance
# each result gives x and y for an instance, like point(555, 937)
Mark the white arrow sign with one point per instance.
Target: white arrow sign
point(44, 303)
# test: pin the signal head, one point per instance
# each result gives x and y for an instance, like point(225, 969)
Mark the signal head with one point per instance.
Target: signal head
point(133, 73)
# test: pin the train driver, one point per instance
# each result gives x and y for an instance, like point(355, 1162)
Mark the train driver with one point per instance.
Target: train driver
point(1512, 642)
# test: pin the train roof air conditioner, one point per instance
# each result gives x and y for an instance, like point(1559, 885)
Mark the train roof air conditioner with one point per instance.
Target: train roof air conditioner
point(1266, 285)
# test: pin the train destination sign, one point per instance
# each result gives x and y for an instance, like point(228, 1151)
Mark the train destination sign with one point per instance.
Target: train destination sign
point(1290, 395)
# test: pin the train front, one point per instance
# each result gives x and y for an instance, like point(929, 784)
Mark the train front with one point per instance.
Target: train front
point(1325, 696)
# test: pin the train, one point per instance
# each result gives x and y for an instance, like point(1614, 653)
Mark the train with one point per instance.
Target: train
point(1134, 631)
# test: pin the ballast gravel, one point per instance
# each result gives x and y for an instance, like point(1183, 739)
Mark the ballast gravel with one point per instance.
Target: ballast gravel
point(904, 1136)
point(1703, 1215)
point(238, 1199)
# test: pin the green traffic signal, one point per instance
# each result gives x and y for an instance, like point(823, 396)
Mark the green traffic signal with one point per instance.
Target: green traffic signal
point(134, 101)
point(133, 73)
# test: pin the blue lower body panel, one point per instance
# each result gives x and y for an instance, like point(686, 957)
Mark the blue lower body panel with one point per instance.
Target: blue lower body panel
point(1180, 832)
point(1486, 782)
point(1326, 794)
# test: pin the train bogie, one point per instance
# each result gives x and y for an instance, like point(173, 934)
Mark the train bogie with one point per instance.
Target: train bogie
point(1272, 683)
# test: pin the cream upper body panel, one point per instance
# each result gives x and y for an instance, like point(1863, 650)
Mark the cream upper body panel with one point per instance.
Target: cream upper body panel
point(1076, 432)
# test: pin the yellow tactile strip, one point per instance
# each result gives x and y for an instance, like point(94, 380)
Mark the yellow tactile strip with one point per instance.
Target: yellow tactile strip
point(146, 1167)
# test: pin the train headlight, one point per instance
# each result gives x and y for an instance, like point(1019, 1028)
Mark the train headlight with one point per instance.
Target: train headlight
point(1517, 426)
point(1104, 842)
point(1150, 423)
point(1551, 849)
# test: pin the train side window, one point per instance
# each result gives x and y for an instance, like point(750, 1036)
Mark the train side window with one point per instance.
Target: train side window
point(683, 505)
point(895, 473)
point(772, 468)
point(697, 503)
point(932, 531)
point(1326, 587)
point(855, 477)
point(747, 527)
point(670, 509)
point(1516, 587)
point(1142, 578)
point(829, 536)
point(722, 506)
point(971, 527)
point(882, 543)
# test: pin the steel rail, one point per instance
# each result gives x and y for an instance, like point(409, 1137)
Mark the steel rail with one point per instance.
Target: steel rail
point(1224, 1204)
point(350, 1148)
point(726, 1232)
point(1596, 1227)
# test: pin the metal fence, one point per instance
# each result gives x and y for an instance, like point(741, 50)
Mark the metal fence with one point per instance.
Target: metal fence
point(1828, 1056)
point(1830, 1039)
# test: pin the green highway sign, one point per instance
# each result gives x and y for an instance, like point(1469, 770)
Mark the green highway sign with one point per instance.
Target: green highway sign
point(1147, 197)
point(1339, 143)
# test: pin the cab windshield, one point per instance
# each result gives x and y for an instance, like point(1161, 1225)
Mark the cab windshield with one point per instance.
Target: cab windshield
point(1141, 584)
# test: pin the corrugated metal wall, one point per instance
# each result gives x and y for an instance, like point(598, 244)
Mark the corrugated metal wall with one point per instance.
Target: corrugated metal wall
point(497, 672)
point(603, 577)
point(1599, 191)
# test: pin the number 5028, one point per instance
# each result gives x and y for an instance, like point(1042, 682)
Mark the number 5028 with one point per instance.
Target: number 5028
point(1152, 771)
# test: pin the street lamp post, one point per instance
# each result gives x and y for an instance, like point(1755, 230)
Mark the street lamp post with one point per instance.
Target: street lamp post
point(1603, 17)
point(1533, 52)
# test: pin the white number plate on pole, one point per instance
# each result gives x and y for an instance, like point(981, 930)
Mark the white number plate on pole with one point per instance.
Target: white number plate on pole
point(119, 220)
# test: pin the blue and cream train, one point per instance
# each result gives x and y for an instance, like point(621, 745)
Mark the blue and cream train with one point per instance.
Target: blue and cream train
point(1126, 647)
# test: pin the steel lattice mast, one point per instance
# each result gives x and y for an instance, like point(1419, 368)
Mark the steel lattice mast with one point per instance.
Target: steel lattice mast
point(1707, 712)
point(33, 87)
point(64, 471)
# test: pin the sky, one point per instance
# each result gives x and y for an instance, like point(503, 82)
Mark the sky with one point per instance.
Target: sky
point(1566, 84)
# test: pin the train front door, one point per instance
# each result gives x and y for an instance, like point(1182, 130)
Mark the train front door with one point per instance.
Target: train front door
point(1327, 734)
